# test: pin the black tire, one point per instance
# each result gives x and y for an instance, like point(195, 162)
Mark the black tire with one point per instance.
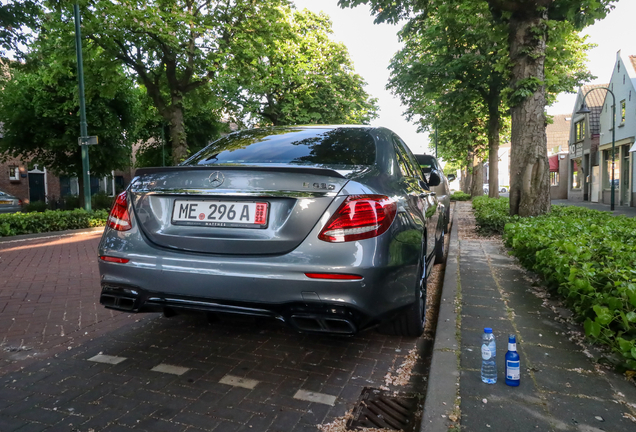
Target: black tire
point(439, 250)
point(410, 323)
point(447, 219)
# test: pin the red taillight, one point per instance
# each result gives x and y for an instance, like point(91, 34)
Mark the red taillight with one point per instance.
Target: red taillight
point(333, 276)
point(360, 217)
point(114, 259)
point(119, 218)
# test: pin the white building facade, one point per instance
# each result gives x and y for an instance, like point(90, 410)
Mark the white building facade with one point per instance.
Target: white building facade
point(623, 106)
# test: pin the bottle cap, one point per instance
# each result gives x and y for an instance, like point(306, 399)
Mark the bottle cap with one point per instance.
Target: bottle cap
point(487, 330)
point(512, 339)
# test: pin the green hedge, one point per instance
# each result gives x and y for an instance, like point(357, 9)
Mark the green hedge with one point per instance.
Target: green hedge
point(459, 196)
point(50, 220)
point(492, 214)
point(588, 257)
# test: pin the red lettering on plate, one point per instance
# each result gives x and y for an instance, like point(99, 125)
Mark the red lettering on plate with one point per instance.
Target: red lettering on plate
point(202, 216)
point(261, 214)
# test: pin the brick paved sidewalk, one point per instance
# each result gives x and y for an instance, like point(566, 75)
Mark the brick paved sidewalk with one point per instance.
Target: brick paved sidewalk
point(49, 298)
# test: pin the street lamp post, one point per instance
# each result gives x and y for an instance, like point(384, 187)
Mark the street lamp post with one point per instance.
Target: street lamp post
point(586, 110)
point(83, 127)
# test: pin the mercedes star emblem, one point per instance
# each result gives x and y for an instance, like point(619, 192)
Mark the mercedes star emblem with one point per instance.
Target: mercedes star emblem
point(216, 179)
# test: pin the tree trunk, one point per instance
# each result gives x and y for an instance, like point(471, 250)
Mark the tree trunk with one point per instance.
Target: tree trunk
point(177, 131)
point(462, 180)
point(478, 176)
point(467, 175)
point(493, 144)
point(529, 170)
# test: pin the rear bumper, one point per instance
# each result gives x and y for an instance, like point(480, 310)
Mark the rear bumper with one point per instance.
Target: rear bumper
point(309, 317)
point(286, 294)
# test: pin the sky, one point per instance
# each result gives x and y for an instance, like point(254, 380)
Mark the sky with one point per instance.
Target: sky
point(372, 46)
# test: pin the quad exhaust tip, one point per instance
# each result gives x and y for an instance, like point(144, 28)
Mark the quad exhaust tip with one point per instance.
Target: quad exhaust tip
point(322, 324)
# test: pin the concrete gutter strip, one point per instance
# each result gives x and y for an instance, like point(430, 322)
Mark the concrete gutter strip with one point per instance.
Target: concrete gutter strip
point(443, 377)
point(50, 234)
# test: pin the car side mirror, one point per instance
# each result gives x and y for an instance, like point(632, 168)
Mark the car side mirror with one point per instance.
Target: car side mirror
point(434, 179)
point(451, 177)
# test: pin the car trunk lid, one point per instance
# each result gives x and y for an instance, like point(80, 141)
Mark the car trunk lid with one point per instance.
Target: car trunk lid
point(174, 206)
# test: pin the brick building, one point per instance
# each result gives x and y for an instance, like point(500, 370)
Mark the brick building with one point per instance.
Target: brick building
point(557, 134)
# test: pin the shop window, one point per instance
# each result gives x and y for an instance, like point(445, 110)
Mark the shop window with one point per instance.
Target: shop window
point(554, 178)
point(577, 174)
point(607, 158)
point(14, 173)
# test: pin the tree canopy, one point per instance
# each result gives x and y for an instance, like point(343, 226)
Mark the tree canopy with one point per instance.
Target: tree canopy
point(40, 111)
point(176, 46)
point(528, 34)
point(304, 78)
point(15, 15)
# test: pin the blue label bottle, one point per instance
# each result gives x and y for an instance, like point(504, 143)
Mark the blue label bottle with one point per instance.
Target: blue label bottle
point(513, 367)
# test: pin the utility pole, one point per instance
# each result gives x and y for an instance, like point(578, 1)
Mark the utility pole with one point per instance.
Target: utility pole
point(84, 138)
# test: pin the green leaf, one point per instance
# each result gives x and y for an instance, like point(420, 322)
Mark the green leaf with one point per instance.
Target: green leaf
point(603, 315)
point(625, 345)
point(592, 328)
point(631, 316)
point(614, 303)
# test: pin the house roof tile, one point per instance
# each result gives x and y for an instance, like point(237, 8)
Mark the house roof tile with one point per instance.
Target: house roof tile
point(594, 101)
point(558, 133)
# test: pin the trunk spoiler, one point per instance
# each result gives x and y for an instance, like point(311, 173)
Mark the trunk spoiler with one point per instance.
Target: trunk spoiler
point(288, 169)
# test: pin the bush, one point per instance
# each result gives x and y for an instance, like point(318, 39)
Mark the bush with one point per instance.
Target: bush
point(101, 201)
point(459, 196)
point(588, 257)
point(35, 206)
point(50, 220)
point(492, 214)
point(70, 202)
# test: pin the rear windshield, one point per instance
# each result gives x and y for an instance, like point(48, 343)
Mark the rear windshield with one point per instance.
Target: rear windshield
point(333, 147)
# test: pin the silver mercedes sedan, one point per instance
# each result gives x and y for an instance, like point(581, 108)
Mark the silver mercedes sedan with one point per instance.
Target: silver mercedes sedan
point(9, 203)
point(330, 229)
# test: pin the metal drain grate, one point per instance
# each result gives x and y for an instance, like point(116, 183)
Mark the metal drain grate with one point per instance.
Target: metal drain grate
point(376, 409)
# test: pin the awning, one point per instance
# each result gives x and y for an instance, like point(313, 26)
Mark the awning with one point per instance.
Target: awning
point(554, 163)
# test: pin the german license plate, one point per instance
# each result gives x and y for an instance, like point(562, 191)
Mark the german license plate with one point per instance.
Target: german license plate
point(220, 213)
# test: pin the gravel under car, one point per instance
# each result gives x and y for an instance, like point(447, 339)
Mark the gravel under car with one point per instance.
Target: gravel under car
point(330, 229)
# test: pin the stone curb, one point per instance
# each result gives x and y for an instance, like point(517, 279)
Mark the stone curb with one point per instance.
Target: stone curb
point(50, 234)
point(443, 375)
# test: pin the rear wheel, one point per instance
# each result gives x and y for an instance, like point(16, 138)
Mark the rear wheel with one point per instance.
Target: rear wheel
point(439, 249)
point(410, 323)
point(447, 219)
